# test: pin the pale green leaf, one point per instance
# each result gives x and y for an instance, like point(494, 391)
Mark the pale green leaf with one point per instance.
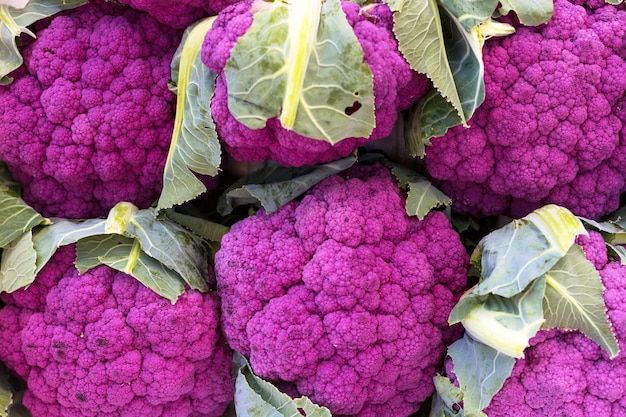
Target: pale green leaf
point(302, 62)
point(16, 217)
point(208, 230)
point(525, 249)
point(274, 187)
point(614, 2)
point(125, 255)
point(63, 232)
point(617, 251)
point(14, 22)
point(422, 196)
point(19, 263)
point(481, 372)
point(195, 146)
point(7, 183)
point(446, 397)
point(574, 300)
point(6, 393)
point(255, 397)
point(172, 245)
point(418, 28)
point(529, 12)
point(470, 13)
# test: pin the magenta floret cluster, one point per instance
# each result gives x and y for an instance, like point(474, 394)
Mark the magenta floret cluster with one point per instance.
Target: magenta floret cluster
point(396, 87)
point(552, 127)
point(343, 297)
point(181, 13)
point(566, 373)
point(103, 344)
point(88, 120)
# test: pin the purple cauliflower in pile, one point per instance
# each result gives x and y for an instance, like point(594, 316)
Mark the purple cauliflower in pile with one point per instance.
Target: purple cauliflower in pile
point(102, 344)
point(396, 87)
point(552, 128)
point(181, 13)
point(88, 120)
point(566, 373)
point(342, 296)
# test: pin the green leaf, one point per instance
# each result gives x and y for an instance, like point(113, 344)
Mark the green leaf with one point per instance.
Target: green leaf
point(525, 249)
point(529, 12)
point(617, 251)
point(208, 230)
point(302, 62)
point(446, 397)
point(481, 372)
point(574, 300)
point(6, 393)
point(274, 187)
point(125, 255)
point(505, 324)
point(16, 217)
point(195, 146)
point(470, 13)
point(19, 263)
point(172, 245)
point(7, 182)
point(255, 397)
point(422, 196)
point(419, 30)
point(14, 22)
point(614, 2)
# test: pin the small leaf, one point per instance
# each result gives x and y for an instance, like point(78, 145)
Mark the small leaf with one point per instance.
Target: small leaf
point(617, 251)
point(208, 230)
point(125, 255)
point(447, 396)
point(276, 186)
point(422, 196)
point(255, 397)
point(19, 263)
point(470, 13)
point(14, 22)
point(16, 217)
point(574, 300)
point(6, 393)
point(195, 146)
point(302, 62)
point(529, 12)
point(481, 372)
point(418, 28)
point(7, 183)
point(525, 249)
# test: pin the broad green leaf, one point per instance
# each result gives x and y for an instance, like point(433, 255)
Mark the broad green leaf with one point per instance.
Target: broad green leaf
point(62, 232)
point(16, 217)
point(208, 230)
point(574, 300)
point(14, 22)
point(422, 196)
point(529, 12)
point(525, 249)
point(481, 372)
point(255, 397)
point(126, 255)
point(418, 28)
point(195, 146)
point(302, 62)
point(274, 187)
point(18, 264)
point(172, 245)
point(446, 397)
point(506, 324)
point(470, 13)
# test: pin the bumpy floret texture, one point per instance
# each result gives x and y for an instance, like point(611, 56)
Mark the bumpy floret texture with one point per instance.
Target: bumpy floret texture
point(88, 120)
point(342, 296)
point(102, 344)
point(181, 13)
point(552, 127)
point(396, 87)
point(566, 373)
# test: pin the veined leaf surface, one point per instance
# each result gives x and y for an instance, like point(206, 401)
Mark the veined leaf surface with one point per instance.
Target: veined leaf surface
point(574, 300)
point(14, 22)
point(126, 255)
point(255, 397)
point(18, 264)
point(470, 13)
point(194, 146)
point(529, 12)
point(16, 217)
point(302, 62)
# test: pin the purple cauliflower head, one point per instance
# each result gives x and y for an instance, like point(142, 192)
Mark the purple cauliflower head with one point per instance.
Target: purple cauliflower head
point(551, 129)
point(396, 87)
point(566, 373)
point(88, 120)
point(103, 344)
point(342, 296)
point(181, 13)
